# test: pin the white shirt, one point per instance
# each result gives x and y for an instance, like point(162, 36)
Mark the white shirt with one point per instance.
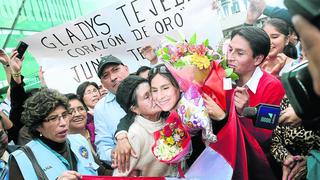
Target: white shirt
point(253, 82)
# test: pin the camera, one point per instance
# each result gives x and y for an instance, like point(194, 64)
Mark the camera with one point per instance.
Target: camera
point(299, 90)
point(309, 9)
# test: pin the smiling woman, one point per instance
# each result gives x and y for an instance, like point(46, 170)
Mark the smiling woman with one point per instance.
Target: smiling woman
point(59, 155)
point(78, 123)
point(135, 98)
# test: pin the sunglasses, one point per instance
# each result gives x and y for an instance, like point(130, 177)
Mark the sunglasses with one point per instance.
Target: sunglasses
point(160, 69)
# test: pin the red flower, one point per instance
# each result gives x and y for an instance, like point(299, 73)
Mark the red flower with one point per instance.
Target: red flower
point(201, 50)
point(192, 48)
point(167, 131)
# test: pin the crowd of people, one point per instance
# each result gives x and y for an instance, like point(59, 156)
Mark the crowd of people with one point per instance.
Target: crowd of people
point(108, 130)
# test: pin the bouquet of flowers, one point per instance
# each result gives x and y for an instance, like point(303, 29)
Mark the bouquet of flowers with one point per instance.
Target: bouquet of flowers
point(194, 114)
point(198, 69)
point(172, 142)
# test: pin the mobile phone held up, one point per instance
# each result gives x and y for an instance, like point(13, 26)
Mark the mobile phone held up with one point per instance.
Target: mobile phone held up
point(21, 48)
point(309, 9)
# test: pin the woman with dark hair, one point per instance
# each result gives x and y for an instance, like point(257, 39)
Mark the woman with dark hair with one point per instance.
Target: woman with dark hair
point(78, 120)
point(134, 96)
point(166, 93)
point(277, 62)
point(89, 95)
point(52, 153)
point(143, 71)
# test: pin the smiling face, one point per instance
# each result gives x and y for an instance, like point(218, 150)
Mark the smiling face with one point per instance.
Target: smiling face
point(56, 124)
point(278, 40)
point(164, 93)
point(91, 96)
point(112, 75)
point(78, 118)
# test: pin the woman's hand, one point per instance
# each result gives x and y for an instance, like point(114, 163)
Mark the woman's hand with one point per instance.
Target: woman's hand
point(288, 164)
point(41, 77)
point(255, 10)
point(69, 175)
point(289, 117)
point(294, 167)
point(214, 111)
point(281, 59)
point(121, 154)
point(15, 63)
point(4, 59)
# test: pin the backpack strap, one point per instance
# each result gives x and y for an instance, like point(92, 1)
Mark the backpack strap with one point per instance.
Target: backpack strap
point(40, 173)
point(4, 170)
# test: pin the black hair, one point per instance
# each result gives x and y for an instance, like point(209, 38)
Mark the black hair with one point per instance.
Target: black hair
point(279, 24)
point(291, 51)
point(72, 96)
point(258, 39)
point(82, 88)
point(39, 106)
point(142, 69)
point(162, 70)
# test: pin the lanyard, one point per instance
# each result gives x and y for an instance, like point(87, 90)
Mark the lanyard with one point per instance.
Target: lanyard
point(69, 164)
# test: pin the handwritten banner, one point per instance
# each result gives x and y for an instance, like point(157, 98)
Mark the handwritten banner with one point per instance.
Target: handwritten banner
point(70, 53)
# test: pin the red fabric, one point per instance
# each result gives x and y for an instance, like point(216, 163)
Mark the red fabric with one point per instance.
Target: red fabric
point(269, 91)
point(120, 178)
point(213, 86)
point(239, 142)
point(231, 145)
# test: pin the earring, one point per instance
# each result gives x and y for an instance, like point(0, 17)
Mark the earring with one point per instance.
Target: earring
point(40, 134)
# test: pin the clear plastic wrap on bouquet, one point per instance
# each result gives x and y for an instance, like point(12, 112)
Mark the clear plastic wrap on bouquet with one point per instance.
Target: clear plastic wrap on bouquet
point(172, 142)
point(194, 115)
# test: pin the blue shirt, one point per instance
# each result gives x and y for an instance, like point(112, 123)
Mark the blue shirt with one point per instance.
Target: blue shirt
point(107, 115)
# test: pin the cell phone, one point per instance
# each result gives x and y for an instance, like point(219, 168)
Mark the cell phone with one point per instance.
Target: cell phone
point(21, 48)
point(309, 9)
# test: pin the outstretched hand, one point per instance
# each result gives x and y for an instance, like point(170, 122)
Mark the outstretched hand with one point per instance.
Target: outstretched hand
point(121, 155)
point(15, 63)
point(255, 10)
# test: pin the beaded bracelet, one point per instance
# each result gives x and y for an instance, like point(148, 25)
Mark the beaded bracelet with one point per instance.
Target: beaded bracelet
point(18, 74)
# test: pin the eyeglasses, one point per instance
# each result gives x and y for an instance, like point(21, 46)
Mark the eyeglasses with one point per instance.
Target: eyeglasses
point(54, 118)
point(160, 69)
point(91, 91)
point(80, 109)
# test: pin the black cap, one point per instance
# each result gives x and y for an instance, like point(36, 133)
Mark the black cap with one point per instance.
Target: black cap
point(105, 60)
point(126, 89)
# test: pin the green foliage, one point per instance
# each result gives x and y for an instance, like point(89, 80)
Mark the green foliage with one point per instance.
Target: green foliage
point(206, 42)
point(179, 64)
point(193, 39)
point(170, 39)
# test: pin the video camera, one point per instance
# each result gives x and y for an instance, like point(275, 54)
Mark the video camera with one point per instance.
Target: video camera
point(299, 91)
point(309, 9)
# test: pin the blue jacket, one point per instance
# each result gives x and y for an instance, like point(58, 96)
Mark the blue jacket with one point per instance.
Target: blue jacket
point(52, 163)
point(107, 115)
